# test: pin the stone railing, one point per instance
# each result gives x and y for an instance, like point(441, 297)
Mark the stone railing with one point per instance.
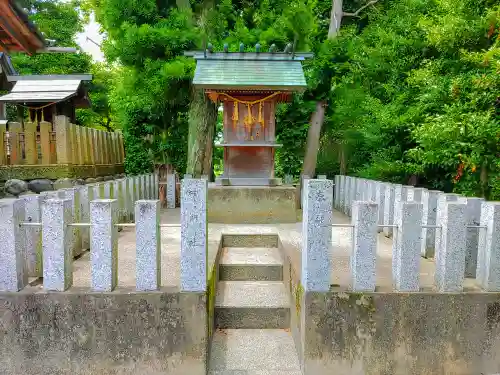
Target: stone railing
point(462, 233)
point(41, 234)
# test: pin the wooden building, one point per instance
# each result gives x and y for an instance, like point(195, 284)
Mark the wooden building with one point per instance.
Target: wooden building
point(46, 96)
point(249, 86)
point(17, 32)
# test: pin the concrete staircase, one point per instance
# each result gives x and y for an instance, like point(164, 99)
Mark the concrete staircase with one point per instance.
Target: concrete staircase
point(252, 315)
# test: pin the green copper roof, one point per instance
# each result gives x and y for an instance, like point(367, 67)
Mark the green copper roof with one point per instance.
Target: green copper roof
point(249, 71)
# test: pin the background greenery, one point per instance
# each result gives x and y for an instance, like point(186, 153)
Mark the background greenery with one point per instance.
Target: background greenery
point(412, 87)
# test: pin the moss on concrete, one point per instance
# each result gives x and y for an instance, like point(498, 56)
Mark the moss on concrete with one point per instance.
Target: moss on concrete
point(57, 171)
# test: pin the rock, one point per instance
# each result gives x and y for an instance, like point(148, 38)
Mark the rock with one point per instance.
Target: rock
point(37, 186)
point(79, 181)
point(99, 179)
point(116, 177)
point(64, 183)
point(90, 180)
point(108, 178)
point(15, 187)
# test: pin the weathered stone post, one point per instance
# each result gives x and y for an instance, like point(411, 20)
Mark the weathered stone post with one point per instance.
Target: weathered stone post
point(352, 194)
point(56, 245)
point(488, 260)
point(152, 192)
point(429, 200)
point(380, 189)
point(372, 191)
point(473, 217)
point(104, 244)
point(194, 231)
point(364, 252)
point(359, 183)
point(147, 239)
point(406, 247)
point(137, 188)
point(340, 192)
point(33, 234)
point(84, 192)
point(171, 190)
point(13, 272)
point(316, 235)
point(450, 263)
point(442, 200)
point(349, 195)
point(322, 177)
point(75, 237)
point(304, 178)
point(418, 194)
point(389, 209)
point(129, 197)
point(54, 194)
point(157, 186)
point(288, 179)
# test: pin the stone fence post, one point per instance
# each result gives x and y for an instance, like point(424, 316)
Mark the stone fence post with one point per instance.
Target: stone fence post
point(104, 244)
point(473, 217)
point(171, 181)
point(380, 189)
point(450, 255)
point(406, 247)
point(389, 205)
point(429, 201)
point(33, 234)
point(148, 254)
point(364, 252)
point(194, 232)
point(316, 235)
point(13, 272)
point(488, 260)
point(56, 245)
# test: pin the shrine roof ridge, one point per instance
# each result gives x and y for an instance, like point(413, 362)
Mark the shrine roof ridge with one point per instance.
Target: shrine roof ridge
point(273, 56)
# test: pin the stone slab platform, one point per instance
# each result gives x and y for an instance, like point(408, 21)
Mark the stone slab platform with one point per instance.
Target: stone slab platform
point(251, 204)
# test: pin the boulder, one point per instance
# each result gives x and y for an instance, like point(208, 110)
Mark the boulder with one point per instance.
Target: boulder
point(90, 180)
point(108, 178)
point(79, 181)
point(15, 187)
point(37, 186)
point(99, 179)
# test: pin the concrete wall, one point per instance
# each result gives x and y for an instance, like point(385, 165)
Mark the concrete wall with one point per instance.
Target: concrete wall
point(82, 333)
point(401, 333)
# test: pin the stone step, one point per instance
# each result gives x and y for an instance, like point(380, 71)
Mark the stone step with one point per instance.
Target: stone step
point(252, 304)
point(253, 352)
point(251, 263)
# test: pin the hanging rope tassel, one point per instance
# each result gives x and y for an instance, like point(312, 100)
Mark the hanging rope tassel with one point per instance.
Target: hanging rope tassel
point(235, 117)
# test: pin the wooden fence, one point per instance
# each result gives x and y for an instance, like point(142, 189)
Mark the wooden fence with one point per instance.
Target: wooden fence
point(58, 150)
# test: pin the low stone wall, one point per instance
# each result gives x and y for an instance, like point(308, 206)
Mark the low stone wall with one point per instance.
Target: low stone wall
point(400, 334)
point(83, 333)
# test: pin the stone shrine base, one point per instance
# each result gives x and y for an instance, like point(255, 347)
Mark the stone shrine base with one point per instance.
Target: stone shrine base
point(251, 204)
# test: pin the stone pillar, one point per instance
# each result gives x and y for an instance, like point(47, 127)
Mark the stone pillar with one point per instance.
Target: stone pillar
point(148, 249)
point(340, 192)
point(75, 237)
point(152, 193)
point(56, 246)
point(442, 200)
point(322, 177)
point(488, 260)
point(360, 188)
point(389, 209)
point(473, 217)
point(380, 188)
point(204, 177)
point(372, 191)
point(63, 140)
point(348, 194)
point(96, 192)
point(104, 244)
point(118, 195)
point(187, 175)
point(429, 202)
point(288, 179)
point(450, 263)
point(129, 197)
point(316, 235)
point(137, 188)
point(13, 272)
point(194, 232)
point(400, 194)
point(410, 193)
point(304, 178)
point(108, 190)
point(364, 252)
point(170, 190)
point(85, 192)
point(418, 194)
point(406, 247)
point(32, 234)
point(352, 195)
point(157, 186)
point(30, 149)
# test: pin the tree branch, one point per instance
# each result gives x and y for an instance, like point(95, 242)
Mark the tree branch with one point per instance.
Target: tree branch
point(356, 13)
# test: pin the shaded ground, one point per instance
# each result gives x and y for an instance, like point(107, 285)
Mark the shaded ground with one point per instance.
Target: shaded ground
point(290, 235)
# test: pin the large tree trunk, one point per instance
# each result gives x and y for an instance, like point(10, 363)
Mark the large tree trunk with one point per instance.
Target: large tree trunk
point(202, 119)
point(209, 148)
point(335, 19)
point(313, 136)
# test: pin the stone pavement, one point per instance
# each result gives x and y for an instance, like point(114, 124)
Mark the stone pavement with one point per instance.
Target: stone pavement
point(290, 235)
